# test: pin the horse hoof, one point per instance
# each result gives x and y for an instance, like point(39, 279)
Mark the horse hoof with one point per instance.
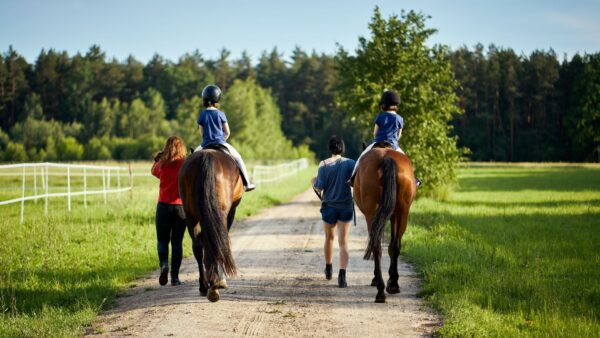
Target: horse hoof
point(374, 282)
point(222, 284)
point(213, 295)
point(203, 292)
point(392, 289)
point(380, 299)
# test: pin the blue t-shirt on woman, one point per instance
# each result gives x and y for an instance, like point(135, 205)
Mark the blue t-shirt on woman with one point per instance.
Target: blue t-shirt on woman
point(332, 179)
point(389, 123)
point(212, 121)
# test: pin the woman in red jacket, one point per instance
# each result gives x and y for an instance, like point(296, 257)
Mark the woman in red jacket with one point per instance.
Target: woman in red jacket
point(170, 217)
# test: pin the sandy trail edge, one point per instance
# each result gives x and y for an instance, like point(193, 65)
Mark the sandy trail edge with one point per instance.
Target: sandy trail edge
point(280, 289)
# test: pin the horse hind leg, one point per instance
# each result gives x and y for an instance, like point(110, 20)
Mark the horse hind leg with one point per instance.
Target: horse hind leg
point(398, 228)
point(394, 251)
point(212, 276)
point(380, 297)
point(194, 231)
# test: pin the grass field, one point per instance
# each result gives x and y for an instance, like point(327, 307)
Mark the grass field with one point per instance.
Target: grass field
point(515, 251)
point(58, 272)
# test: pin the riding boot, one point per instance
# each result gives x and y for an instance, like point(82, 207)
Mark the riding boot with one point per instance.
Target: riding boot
point(175, 273)
point(342, 278)
point(163, 259)
point(240, 163)
point(164, 271)
point(328, 271)
point(175, 280)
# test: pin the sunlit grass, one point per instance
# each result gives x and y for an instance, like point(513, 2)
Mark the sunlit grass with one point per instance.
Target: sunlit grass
point(514, 252)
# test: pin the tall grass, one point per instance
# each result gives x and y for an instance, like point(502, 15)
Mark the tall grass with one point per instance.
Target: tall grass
point(514, 252)
point(58, 272)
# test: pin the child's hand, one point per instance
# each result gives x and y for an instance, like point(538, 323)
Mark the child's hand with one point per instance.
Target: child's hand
point(157, 156)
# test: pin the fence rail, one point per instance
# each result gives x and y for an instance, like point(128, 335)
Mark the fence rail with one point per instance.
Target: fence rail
point(271, 173)
point(261, 174)
point(105, 171)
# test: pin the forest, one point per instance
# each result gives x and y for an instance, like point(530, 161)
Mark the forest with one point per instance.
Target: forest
point(88, 106)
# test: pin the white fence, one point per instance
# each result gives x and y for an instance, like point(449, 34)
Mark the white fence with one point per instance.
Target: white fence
point(42, 170)
point(271, 173)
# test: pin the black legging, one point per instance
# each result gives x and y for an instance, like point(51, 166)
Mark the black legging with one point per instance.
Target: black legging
point(170, 227)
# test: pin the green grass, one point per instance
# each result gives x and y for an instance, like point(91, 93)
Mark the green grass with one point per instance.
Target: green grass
point(58, 272)
point(515, 251)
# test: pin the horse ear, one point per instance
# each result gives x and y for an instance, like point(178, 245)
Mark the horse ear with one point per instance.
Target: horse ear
point(364, 145)
point(191, 150)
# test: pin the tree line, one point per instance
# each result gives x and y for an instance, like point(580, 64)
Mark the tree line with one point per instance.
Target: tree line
point(527, 108)
point(88, 106)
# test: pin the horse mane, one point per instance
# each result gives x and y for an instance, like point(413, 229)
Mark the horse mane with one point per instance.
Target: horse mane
point(386, 205)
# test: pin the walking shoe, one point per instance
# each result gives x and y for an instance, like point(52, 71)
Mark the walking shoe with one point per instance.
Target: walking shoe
point(417, 182)
point(164, 275)
point(175, 281)
point(250, 187)
point(328, 271)
point(342, 278)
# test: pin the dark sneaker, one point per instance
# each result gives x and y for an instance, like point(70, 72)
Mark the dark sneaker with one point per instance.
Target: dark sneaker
point(418, 182)
point(342, 278)
point(164, 275)
point(328, 271)
point(175, 281)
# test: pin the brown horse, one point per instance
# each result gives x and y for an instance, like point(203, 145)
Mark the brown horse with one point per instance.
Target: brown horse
point(384, 189)
point(211, 188)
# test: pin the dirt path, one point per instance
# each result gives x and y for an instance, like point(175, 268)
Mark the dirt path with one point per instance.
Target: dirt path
point(280, 289)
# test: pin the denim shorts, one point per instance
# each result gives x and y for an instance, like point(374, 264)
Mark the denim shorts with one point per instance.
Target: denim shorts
point(331, 215)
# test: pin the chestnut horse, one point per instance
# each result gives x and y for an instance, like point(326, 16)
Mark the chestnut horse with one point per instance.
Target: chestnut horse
point(211, 188)
point(384, 189)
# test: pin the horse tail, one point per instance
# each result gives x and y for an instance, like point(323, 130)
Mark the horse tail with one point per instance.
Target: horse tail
point(386, 206)
point(215, 236)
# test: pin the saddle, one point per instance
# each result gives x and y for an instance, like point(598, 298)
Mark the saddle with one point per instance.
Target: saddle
point(383, 144)
point(224, 150)
point(218, 147)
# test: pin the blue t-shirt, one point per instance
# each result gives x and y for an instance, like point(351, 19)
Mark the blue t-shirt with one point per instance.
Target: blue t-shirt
point(332, 179)
point(212, 121)
point(389, 124)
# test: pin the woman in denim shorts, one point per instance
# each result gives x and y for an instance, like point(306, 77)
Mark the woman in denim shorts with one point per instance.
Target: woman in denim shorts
point(337, 206)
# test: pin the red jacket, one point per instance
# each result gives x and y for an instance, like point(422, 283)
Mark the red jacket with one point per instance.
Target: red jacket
point(169, 181)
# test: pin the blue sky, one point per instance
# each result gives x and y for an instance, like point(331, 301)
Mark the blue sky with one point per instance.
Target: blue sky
point(172, 28)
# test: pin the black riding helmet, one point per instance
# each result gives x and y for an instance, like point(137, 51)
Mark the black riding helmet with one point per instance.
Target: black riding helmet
point(211, 94)
point(390, 98)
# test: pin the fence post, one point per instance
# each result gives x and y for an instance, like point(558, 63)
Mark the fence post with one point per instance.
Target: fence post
point(130, 183)
point(23, 196)
point(104, 185)
point(35, 184)
point(84, 187)
point(69, 187)
point(46, 188)
point(108, 180)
